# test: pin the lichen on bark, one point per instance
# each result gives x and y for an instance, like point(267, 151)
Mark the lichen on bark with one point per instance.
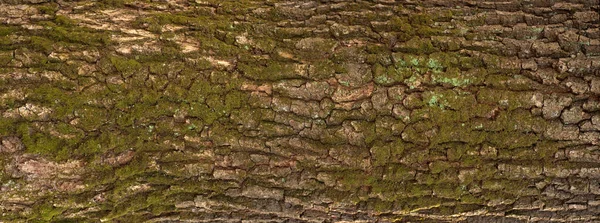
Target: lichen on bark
point(299, 111)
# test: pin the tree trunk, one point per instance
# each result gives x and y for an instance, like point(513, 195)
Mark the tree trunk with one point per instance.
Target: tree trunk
point(299, 111)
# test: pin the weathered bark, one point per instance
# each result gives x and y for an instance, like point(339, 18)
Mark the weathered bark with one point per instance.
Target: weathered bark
point(299, 111)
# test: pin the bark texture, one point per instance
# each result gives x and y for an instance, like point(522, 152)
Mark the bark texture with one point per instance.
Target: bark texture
point(299, 111)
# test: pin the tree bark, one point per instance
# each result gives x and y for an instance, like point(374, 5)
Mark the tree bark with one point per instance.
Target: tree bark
point(299, 111)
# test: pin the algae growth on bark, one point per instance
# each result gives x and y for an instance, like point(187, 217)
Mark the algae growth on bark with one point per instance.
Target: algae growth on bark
point(299, 111)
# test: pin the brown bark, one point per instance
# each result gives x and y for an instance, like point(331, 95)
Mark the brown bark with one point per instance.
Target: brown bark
point(299, 111)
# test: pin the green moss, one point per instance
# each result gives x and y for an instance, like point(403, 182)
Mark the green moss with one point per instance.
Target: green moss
point(513, 140)
point(91, 117)
point(173, 18)
point(159, 208)
point(449, 99)
point(381, 154)
point(414, 81)
point(417, 45)
point(448, 117)
point(89, 148)
point(507, 99)
point(111, 3)
point(235, 100)
point(219, 47)
point(458, 133)
point(399, 61)
point(402, 27)
point(434, 100)
point(6, 30)
point(423, 24)
point(215, 102)
point(137, 166)
point(439, 166)
point(126, 66)
point(421, 19)
point(168, 35)
point(34, 59)
point(315, 49)
point(270, 71)
point(175, 93)
point(64, 21)
point(450, 191)
point(351, 179)
point(204, 112)
point(546, 149)
point(71, 134)
point(471, 63)
point(47, 212)
point(424, 201)
point(397, 173)
point(5, 58)
point(417, 190)
point(126, 209)
point(48, 9)
point(8, 126)
point(470, 199)
point(44, 44)
point(452, 77)
point(7, 40)
point(435, 65)
point(470, 160)
point(390, 76)
point(381, 206)
point(344, 83)
point(42, 143)
point(162, 68)
point(518, 120)
point(63, 29)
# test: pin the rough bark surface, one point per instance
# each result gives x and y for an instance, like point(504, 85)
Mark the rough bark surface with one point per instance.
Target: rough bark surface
point(299, 111)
